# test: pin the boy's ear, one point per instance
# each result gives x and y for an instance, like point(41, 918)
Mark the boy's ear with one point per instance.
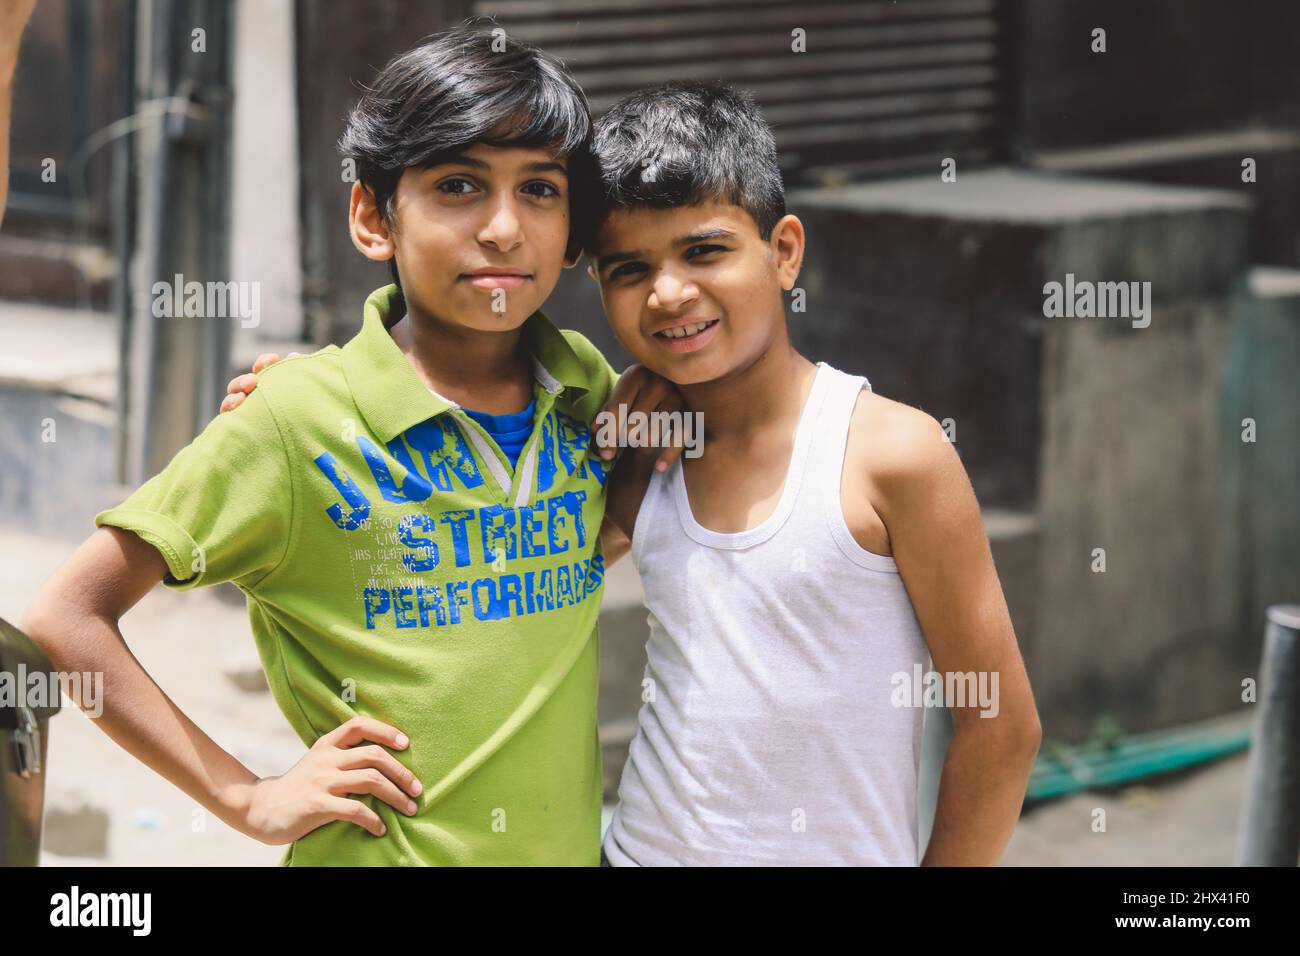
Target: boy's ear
point(372, 236)
point(572, 254)
point(787, 242)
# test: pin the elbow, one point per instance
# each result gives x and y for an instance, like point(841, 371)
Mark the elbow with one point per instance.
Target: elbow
point(50, 624)
point(40, 624)
point(1033, 735)
point(1023, 732)
point(32, 621)
point(1026, 735)
point(1014, 735)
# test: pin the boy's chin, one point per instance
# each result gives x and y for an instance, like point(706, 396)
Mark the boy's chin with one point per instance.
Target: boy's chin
point(485, 320)
point(684, 371)
point(497, 321)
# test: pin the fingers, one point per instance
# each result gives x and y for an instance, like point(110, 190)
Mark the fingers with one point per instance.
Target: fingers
point(659, 394)
point(377, 758)
point(242, 383)
point(361, 729)
point(354, 811)
point(645, 394)
point(670, 400)
point(668, 456)
point(368, 769)
point(266, 360)
point(238, 390)
point(621, 396)
point(371, 781)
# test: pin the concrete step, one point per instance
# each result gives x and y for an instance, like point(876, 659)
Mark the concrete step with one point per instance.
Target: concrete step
point(55, 349)
point(1212, 160)
point(58, 383)
point(59, 391)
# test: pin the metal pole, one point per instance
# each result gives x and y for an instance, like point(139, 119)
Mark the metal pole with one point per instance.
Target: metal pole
point(1271, 815)
point(124, 238)
point(176, 362)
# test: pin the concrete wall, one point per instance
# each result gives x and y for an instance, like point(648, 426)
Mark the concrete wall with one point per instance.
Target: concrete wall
point(1262, 477)
point(1131, 465)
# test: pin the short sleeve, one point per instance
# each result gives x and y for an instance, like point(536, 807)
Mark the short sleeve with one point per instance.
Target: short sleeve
point(222, 508)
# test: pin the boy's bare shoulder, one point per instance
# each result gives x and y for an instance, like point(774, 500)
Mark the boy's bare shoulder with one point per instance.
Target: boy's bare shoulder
point(894, 444)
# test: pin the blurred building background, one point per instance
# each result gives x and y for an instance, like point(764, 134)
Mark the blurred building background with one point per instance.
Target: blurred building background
point(1171, 157)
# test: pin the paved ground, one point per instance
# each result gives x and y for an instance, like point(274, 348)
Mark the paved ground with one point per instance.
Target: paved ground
point(1188, 819)
point(106, 808)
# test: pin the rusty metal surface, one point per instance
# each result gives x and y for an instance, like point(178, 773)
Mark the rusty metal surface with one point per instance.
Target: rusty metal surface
point(22, 787)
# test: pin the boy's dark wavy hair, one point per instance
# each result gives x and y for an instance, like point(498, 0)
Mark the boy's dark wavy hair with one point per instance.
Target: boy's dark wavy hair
point(463, 87)
point(685, 143)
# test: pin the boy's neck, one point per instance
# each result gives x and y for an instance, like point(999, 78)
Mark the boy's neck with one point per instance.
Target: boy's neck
point(486, 371)
point(768, 392)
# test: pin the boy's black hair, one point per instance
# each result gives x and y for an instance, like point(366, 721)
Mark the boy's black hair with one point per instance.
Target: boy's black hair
point(466, 86)
point(685, 143)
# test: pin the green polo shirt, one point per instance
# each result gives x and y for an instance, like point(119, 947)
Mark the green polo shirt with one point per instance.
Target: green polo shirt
point(396, 565)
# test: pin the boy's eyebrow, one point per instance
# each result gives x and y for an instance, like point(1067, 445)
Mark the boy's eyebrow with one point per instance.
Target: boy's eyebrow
point(460, 159)
point(551, 167)
point(703, 235)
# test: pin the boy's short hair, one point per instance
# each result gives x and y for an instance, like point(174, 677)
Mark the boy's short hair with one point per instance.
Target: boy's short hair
point(459, 88)
point(685, 143)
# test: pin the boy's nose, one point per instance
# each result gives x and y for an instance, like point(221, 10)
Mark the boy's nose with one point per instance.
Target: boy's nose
point(669, 293)
point(502, 229)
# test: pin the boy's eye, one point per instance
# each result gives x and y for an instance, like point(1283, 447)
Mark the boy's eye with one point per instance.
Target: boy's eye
point(703, 250)
point(453, 186)
point(626, 269)
point(541, 188)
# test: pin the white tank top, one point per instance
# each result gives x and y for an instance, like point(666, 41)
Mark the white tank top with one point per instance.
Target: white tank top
point(768, 735)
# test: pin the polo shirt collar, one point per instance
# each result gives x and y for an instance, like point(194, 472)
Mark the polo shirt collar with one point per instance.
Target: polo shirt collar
point(391, 396)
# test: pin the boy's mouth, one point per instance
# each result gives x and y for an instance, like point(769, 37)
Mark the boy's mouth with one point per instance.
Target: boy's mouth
point(686, 336)
point(489, 279)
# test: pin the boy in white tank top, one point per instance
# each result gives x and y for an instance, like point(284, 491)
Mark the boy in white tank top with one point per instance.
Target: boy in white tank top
point(801, 572)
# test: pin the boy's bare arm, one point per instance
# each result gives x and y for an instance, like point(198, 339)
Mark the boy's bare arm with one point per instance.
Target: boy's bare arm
point(638, 390)
point(627, 484)
point(923, 495)
point(74, 619)
point(614, 544)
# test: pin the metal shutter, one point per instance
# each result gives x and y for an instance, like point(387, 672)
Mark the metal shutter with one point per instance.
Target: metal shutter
point(883, 87)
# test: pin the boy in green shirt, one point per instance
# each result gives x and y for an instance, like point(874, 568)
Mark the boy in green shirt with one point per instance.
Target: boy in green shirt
point(401, 570)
